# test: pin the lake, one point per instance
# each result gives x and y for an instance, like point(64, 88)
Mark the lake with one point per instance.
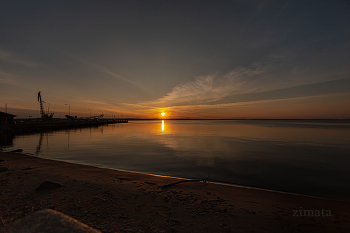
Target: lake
point(303, 157)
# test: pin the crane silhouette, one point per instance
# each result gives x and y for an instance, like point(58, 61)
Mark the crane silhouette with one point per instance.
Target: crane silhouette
point(44, 116)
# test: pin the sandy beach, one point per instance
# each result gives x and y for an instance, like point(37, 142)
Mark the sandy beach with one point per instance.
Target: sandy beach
point(117, 201)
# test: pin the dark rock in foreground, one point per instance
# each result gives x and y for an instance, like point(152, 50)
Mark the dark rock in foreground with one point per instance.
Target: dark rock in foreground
point(46, 221)
point(4, 169)
point(15, 151)
point(47, 185)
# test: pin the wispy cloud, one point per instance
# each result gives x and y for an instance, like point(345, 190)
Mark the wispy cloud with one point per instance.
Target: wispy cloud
point(12, 58)
point(104, 70)
point(205, 109)
point(108, 109)
point(5, 74)
point(323, 90)
point(88, 101)
point(101, 105)
point(243, 86)
point(7, 78)
point(212, 87)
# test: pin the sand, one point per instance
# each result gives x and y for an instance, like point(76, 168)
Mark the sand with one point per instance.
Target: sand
point(117, 201)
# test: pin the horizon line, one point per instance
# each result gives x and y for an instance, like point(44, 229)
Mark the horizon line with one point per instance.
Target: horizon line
point(133, 118)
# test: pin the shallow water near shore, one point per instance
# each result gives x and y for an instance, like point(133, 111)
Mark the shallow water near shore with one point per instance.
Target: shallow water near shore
point(303, 157)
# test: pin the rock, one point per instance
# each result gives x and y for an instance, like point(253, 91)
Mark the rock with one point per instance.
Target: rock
point(122, 178)
point(47, 185)
point(4, 169)
point(18, 150)
point(46, 221)
point(27, 168)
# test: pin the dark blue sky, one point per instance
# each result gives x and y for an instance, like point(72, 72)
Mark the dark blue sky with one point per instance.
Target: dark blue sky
point(187, 58)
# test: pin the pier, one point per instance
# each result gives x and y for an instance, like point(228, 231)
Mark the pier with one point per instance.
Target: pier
point(33, 126)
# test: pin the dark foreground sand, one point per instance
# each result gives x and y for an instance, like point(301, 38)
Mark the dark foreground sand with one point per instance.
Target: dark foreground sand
point(117, 201)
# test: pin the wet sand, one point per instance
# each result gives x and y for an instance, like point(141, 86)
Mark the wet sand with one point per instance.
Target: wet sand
point(117, 201)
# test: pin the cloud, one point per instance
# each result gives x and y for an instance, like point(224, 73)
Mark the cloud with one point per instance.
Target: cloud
point(92, 102)
point(104, 70)
point(108, 109)
point(212, 87)
point(5, 74)
point(101, 105)
point(12, 58)
point(322, 90)
point(7, 78)
point(240, 87)
point(205, 110)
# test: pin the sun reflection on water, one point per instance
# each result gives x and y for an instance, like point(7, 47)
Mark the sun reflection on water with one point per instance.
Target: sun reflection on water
point(162, 125)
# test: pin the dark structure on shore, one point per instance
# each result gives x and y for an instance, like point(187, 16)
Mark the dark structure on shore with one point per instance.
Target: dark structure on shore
point(6, 118)
point(44, 116)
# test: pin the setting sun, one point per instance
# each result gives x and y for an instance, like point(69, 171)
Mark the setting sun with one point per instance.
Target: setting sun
point(163, 114)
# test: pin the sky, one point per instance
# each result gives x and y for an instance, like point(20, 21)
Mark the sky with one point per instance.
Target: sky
point(190, 59)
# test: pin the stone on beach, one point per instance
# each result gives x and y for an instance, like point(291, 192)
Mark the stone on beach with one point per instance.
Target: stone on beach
point(46, 221)
point(47, 185)
point(4, 169)
point(15, 151)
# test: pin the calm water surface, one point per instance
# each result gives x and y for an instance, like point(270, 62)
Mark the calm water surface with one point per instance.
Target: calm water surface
point(303, 157)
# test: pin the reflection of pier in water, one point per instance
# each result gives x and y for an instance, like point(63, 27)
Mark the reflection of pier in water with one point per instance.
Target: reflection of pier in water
point(68, 133)
point(38, 147)
point(8, 140)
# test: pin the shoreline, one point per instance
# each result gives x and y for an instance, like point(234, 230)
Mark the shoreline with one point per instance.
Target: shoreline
point(209, 181)
point(182, 178)
point(275, 191)
point(111, 200)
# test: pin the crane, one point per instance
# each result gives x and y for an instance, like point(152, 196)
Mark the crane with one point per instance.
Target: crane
point(44, 117)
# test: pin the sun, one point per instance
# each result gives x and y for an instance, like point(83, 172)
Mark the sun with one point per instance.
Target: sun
point(163, 114)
